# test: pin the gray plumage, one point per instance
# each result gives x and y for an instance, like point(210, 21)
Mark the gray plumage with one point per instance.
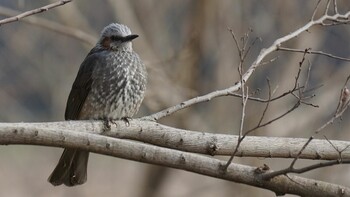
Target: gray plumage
point(110, 85)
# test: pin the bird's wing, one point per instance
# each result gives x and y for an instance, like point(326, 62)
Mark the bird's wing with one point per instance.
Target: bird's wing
point(82, 85)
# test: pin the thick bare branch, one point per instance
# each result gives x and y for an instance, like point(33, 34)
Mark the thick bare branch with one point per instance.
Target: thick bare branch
point(198, 142)
point(50, 136)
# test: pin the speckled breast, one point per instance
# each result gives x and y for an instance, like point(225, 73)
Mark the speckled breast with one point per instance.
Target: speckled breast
point(117, 89)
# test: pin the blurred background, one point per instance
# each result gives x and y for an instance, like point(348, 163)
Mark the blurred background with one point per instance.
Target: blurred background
point(188, 51)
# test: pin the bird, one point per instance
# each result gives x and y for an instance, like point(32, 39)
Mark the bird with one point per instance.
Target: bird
point(110, 85)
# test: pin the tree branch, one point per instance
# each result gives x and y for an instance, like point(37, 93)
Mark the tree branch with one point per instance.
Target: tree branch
point(196, 142)
point(48, 134)
point(309, 51)
point(258, 61)
point(32, 12)
point(53, 26)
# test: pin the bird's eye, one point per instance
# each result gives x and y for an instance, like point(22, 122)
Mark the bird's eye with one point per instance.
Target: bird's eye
point(116, 38)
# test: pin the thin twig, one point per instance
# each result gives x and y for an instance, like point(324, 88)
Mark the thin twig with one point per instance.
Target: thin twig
point(335, 6)
point(240, 136)
point(53, 26)
point(245, 39)
point(315, 10)
point(295, 106)
point(301, 151)
point(313, 52)
point(307, 76)
point(32, 12)
point(268, 103)
point(250, 47)
point(245, 93)
point(236, 41)
point(336, 148)
point(268, 176)
point(273, 99)
point(327, 7)
point(244, 102)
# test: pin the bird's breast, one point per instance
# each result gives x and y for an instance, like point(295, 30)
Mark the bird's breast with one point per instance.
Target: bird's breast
point(117, 88)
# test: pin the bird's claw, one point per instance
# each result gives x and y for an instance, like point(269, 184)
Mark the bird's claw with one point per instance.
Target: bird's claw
point(106, 125)
point(126, 120)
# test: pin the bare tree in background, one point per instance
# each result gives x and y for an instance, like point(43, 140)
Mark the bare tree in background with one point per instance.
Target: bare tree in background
point(272, 91)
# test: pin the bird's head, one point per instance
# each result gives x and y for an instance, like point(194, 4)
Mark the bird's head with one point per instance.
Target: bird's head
point(116, 37)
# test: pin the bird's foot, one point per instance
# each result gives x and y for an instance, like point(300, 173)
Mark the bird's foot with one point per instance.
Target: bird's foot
point(126, 120)
point(106, 125)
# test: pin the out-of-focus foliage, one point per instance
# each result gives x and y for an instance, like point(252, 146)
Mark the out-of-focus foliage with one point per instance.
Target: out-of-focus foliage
point(188, 51)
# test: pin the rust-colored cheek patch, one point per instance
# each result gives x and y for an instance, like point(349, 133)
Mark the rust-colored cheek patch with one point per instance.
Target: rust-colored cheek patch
point(106, 42)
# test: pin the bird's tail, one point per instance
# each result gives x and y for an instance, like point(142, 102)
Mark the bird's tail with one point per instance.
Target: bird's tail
point(71, 169)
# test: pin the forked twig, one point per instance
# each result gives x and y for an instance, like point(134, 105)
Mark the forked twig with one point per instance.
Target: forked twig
point(343, 105)
point(245, 96)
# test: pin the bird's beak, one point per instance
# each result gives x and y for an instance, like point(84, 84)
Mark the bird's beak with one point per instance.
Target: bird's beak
point(130, 37)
